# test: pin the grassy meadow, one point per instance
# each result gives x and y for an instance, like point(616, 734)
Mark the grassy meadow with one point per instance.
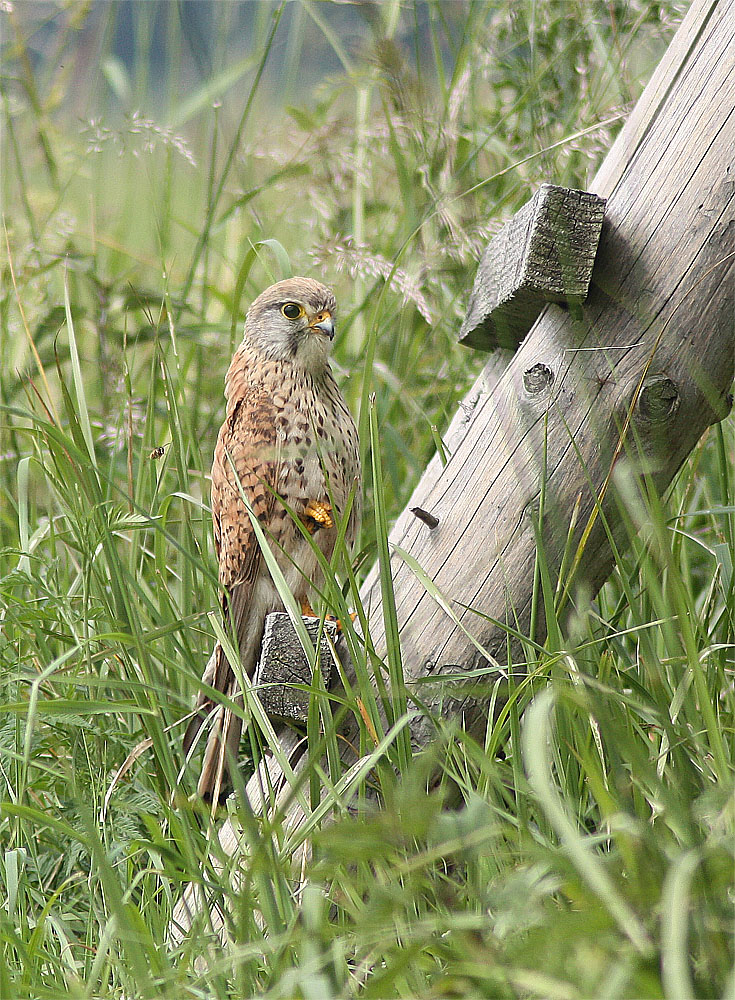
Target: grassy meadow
point(162, 163)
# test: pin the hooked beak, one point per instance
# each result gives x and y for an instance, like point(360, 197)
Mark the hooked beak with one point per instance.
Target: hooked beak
point(323, 323)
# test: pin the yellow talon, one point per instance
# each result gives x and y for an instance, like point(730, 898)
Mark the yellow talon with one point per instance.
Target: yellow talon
point(353, 618)
point(318, 514)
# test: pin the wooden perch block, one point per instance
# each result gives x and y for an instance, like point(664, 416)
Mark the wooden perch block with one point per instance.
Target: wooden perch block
point(545, 253)
point(283, 664)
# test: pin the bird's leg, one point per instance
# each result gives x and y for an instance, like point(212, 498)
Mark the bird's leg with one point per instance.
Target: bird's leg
point(308, 612)
point(317, 514)
point(353, 618)
point(306, 609)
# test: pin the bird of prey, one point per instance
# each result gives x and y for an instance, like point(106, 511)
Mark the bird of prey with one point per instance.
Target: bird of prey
point(289, 448)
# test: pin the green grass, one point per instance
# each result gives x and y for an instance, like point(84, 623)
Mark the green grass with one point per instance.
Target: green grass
point(585, 848)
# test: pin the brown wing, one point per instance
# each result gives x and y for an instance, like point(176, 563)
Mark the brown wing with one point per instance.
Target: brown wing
point(246, 467)
point(246, 464)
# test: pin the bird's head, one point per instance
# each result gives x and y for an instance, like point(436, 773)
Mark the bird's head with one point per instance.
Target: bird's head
point(293, 320)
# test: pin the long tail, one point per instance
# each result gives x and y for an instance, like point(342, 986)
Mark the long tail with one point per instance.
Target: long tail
point(222, 748)
point(223, 739)
point(224, 736)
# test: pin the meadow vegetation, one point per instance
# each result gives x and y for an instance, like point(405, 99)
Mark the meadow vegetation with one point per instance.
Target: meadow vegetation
point(162, 163)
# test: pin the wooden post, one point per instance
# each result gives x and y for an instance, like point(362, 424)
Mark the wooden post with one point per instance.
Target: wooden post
point(652, 349)
point(647, 359)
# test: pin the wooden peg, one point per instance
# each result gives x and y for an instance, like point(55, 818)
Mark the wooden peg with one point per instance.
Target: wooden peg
point(283, 664)
point(545, 253)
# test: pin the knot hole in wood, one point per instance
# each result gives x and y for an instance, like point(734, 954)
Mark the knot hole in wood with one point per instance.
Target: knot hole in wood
point(658, 400)
point(538, 379)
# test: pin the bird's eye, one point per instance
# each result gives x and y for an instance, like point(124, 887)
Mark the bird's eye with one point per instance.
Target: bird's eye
point(291, 310)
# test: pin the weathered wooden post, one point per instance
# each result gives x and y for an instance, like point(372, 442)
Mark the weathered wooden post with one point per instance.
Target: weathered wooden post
point(652, 349)
point(633, 374)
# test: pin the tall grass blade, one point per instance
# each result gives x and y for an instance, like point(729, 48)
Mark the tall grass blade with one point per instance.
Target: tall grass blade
point(675, 909)
point(83, 412)
point(390, 617)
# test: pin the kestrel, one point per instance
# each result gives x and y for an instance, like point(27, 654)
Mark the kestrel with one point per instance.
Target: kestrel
point(289, 448)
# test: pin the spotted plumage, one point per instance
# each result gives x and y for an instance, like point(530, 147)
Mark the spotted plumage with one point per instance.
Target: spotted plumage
point(286, 426)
